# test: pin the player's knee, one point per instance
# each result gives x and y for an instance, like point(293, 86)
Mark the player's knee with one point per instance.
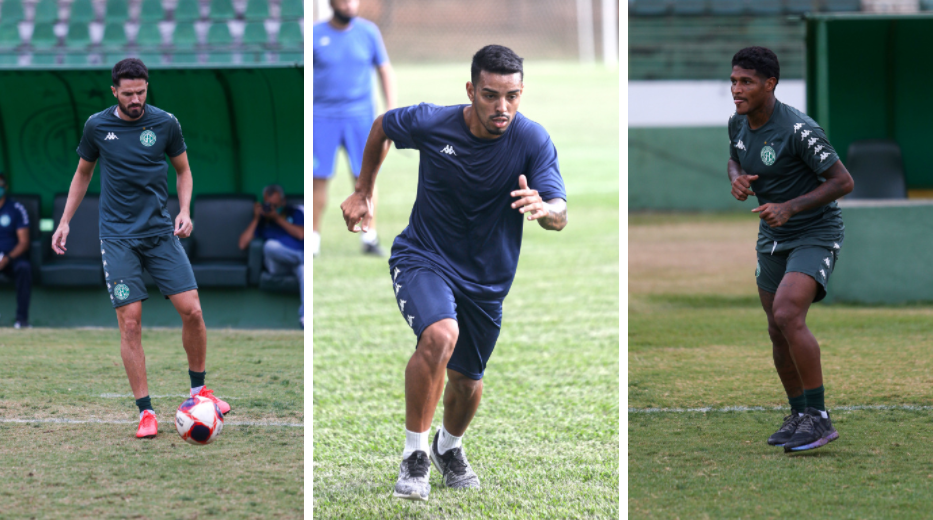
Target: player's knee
point(775, 333)
point(130, 326)
point(192, 316)
point(787, 317)
point(438, 341)
point(466, 387)
point(271, 247)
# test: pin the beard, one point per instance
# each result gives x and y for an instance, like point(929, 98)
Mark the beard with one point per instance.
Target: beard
point(495, 130)
point(342, 18)
point(132, 111)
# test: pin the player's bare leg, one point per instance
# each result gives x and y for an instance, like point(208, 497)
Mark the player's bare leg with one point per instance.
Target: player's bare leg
point(783, 360)
point(193, 331)
point(424, 375)
point(461, 400)
point(131, 347)
point(791, 303)
point(319, 202)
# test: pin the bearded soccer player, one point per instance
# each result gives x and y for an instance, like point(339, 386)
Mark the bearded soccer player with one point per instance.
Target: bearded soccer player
point(782, 156)
point(131, 140)
point(484, 166)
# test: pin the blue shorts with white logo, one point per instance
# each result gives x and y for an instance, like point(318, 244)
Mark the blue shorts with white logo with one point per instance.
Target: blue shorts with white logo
point(330, 134)
point(425, 296)
point(162, 256)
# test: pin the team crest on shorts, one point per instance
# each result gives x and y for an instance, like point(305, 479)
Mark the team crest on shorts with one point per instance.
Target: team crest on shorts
point(148, 138)
point(768, 155)
point(757, 269)
point(121, 291)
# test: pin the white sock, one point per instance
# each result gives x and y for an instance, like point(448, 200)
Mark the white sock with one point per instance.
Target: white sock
point(824, 414)
point(415, 441)
point(144, 411)
point(369, 237)
point(195, 390)
point(315, 242)
point(446, 441)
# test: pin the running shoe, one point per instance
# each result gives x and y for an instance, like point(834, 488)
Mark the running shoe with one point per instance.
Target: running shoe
point(455, 470)
point(786, 431)
point(148, 426)
point(205, 392)
point(413, 476)
point(813, 431)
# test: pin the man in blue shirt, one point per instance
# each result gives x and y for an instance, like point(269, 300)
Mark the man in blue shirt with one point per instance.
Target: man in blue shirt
point(483, 167)
point(14, 242)
point(282, 227)
point(346, 49)
point(131, 140)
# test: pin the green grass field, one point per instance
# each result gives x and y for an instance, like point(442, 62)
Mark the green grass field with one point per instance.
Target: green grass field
point(545, 442)
point(68, 424)
point(698, 340)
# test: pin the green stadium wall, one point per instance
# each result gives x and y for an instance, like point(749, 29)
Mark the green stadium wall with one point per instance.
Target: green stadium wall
point(243, 126)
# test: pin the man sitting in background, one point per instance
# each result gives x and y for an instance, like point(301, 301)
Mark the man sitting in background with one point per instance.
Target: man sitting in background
point(14, 242)
point(282, 227)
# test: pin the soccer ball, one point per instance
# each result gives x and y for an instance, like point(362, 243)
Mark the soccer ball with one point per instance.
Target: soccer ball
point(198, 420)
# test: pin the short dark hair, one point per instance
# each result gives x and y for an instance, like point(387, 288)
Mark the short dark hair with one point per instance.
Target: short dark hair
point(130, 68)
point(760, 59)
point(496, 59)
point(273, 188)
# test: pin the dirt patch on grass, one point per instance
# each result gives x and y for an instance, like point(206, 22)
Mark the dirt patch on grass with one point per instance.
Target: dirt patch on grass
point(705, 257)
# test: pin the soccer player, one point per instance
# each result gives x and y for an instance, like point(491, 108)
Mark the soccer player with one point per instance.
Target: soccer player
point(484, 166)
point(783, 157)
point(346, 49)
point(131, 139)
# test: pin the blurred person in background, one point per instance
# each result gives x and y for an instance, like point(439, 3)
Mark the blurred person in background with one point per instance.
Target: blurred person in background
point(282, 227)
point(14, 242)
point(346, 49)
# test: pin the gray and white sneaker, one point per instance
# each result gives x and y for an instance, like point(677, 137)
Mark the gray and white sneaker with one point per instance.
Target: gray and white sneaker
point(413, 476)
point(454, 468)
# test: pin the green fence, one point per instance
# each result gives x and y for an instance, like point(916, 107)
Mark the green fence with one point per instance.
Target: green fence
point(243, 126)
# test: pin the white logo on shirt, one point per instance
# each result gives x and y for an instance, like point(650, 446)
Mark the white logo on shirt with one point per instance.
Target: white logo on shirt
point(394, 276)
point(740, 145)
point(325, 41)
point(397, 287)
point(822, 273)
point(823, 156)
point(401, 305)
point(811, 142)
point(5, 220)
point(835, 245)
point(804, 134)
point(409, 320)
point(449, 150)
point(816, 151)
point(797, 126)
point(826, 261)
point(110, 136)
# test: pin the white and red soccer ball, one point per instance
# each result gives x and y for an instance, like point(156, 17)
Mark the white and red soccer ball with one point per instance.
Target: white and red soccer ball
point(198, 420)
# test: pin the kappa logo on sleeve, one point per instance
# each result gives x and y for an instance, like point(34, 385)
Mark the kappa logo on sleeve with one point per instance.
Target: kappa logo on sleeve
point(797, 126)
point(740, 145)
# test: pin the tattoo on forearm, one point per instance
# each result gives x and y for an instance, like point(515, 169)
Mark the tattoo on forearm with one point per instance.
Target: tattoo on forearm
point(554, 220)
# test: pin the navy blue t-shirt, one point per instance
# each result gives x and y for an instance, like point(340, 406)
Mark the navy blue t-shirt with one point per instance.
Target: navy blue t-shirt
point(272, 231)
point(462, 220)
point(13, 216)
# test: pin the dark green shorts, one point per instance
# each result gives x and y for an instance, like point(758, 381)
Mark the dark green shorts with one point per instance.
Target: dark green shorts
point(814, 261)
point(162, 256)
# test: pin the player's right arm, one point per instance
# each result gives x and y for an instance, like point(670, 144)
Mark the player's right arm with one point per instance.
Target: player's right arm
point(358, 208)
point(741, 183)
point(76, 192)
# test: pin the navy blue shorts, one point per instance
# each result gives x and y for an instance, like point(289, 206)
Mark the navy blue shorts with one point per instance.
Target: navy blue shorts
point(425, 296)
point(330, 134)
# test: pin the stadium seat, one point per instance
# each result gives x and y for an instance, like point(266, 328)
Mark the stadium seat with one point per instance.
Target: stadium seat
point(877, 169)
point(81, 265)
point(727, 7)
point(151, 11)
point(76, 58)
point(187, 11)
point(11, 11)
point(46, 11)
point(221, 10)
point(690, 7)
point(216, 257)
point(117, 11)
point(184, 36)
point(218, 36)
point(800, 6)
point(9, 36)
point(78, 36)
point(255, 34)
point(764, 8)
point(290, 35)
point(257, 10)
point(292, 10)
point(31, 203)
point(43, 37)
point(114, 35)
point(291, 57)
point(649, 7)
point(220, 57)
point(149, 35)
point(81, 11)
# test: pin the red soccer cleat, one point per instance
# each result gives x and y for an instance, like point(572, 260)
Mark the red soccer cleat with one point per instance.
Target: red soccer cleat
point(205, 392)
point(148, 426)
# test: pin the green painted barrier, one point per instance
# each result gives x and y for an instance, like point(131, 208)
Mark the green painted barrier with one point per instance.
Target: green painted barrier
point(887, 252)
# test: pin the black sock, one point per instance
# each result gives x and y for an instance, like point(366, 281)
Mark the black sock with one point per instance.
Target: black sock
point(815, 398)
point(799, 403)
point(144, 404)
point(197, 378)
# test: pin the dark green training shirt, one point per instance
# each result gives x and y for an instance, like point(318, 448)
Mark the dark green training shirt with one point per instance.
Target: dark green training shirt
point(788, 154)
point(133, 170)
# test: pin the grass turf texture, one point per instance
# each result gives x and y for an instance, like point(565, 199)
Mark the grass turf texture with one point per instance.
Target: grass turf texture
point(545, 439)
point(100, 470)
point(698, 338)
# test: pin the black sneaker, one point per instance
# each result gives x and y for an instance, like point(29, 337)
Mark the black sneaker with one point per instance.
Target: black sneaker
point(373, 249)
point(812, 432)
point(455, 470)
point(412, 483)
point(786, 431)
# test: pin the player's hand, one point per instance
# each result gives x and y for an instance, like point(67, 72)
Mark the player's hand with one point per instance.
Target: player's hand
point(357, 212)
point(776, 215)
point(742, 186)
point(257, 210)
point(58, 239)
point(530, 202)
point(5, 261)
point(183, 225)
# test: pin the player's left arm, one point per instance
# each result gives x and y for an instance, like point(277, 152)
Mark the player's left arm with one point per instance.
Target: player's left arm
point(551, 214)
point(184, 184)
point(838, 183)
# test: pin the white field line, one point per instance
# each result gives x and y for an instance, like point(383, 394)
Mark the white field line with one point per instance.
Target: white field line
point(58, 420)
point(121, 396)
point(909, 407)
